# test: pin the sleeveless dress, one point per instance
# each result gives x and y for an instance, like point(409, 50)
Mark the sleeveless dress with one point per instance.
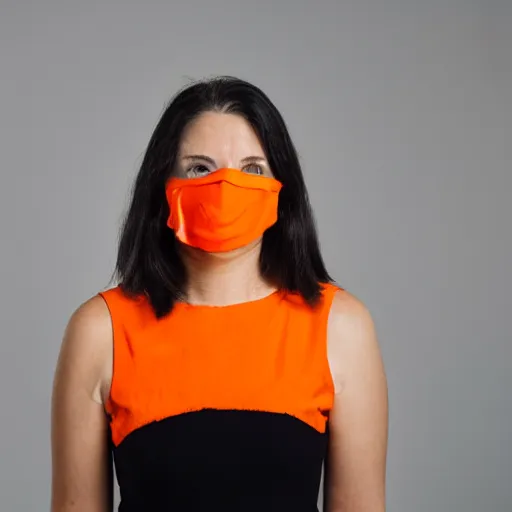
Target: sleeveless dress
point(220, 408)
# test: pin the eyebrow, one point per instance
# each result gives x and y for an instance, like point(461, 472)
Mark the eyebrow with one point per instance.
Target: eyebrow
point(247, 159)
point(200, 157)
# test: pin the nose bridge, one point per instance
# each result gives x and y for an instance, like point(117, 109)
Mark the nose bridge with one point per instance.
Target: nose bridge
point(226, 163)
point(218, 196)
point(226, 168)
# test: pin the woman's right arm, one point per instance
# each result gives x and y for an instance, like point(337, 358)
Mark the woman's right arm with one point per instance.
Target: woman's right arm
point(81, 459)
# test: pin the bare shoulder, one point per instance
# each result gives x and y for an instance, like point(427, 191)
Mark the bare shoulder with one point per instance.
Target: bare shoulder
point(86, 349)
point(358, 420)
point(90, 318)
point(352, 338)
point(347, 307)
point(350, 321)
point(80, 458)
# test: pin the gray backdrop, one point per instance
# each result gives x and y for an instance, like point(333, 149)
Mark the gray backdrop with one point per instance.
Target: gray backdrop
point(401, 111)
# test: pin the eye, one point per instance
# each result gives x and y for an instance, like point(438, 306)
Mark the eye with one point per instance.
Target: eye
point(198, 170)
point(253, 169)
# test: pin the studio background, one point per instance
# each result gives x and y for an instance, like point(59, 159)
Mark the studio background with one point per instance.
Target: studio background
point(401, 112)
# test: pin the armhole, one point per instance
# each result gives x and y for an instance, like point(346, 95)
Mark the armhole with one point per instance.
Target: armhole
point(330, 291)
point(108, 297)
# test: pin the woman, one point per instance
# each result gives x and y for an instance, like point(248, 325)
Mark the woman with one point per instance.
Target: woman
point(225, 366)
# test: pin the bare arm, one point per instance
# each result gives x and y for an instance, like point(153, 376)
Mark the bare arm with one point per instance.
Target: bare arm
point(81, 460)
point(356, 465)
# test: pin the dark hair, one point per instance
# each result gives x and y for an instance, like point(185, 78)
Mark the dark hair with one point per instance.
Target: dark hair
point(148, 260)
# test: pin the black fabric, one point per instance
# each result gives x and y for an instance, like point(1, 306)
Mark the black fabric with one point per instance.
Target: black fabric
point(213, 460)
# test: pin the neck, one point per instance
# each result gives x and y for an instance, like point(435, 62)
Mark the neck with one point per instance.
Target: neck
point(221, 279)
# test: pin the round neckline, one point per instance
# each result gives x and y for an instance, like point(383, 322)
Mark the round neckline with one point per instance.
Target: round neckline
point(214, 307)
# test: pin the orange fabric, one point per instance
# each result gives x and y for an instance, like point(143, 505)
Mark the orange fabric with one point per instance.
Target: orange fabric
point(265, 355)
point(222, 211)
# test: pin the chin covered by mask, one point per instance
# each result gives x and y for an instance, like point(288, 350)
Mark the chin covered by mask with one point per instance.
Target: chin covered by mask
point(223, 211)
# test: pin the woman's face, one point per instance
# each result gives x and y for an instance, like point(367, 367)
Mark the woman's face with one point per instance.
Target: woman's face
point(216, 140)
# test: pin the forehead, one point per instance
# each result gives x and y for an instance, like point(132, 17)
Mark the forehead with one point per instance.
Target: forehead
point(214, 133)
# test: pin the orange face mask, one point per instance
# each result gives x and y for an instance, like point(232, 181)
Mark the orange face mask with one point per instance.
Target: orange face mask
point(222, 211)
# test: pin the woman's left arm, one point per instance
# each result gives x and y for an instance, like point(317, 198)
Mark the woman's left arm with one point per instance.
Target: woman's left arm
point(358, 424)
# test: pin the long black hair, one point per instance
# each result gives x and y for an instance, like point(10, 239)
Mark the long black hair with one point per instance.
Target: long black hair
point(148, 260)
